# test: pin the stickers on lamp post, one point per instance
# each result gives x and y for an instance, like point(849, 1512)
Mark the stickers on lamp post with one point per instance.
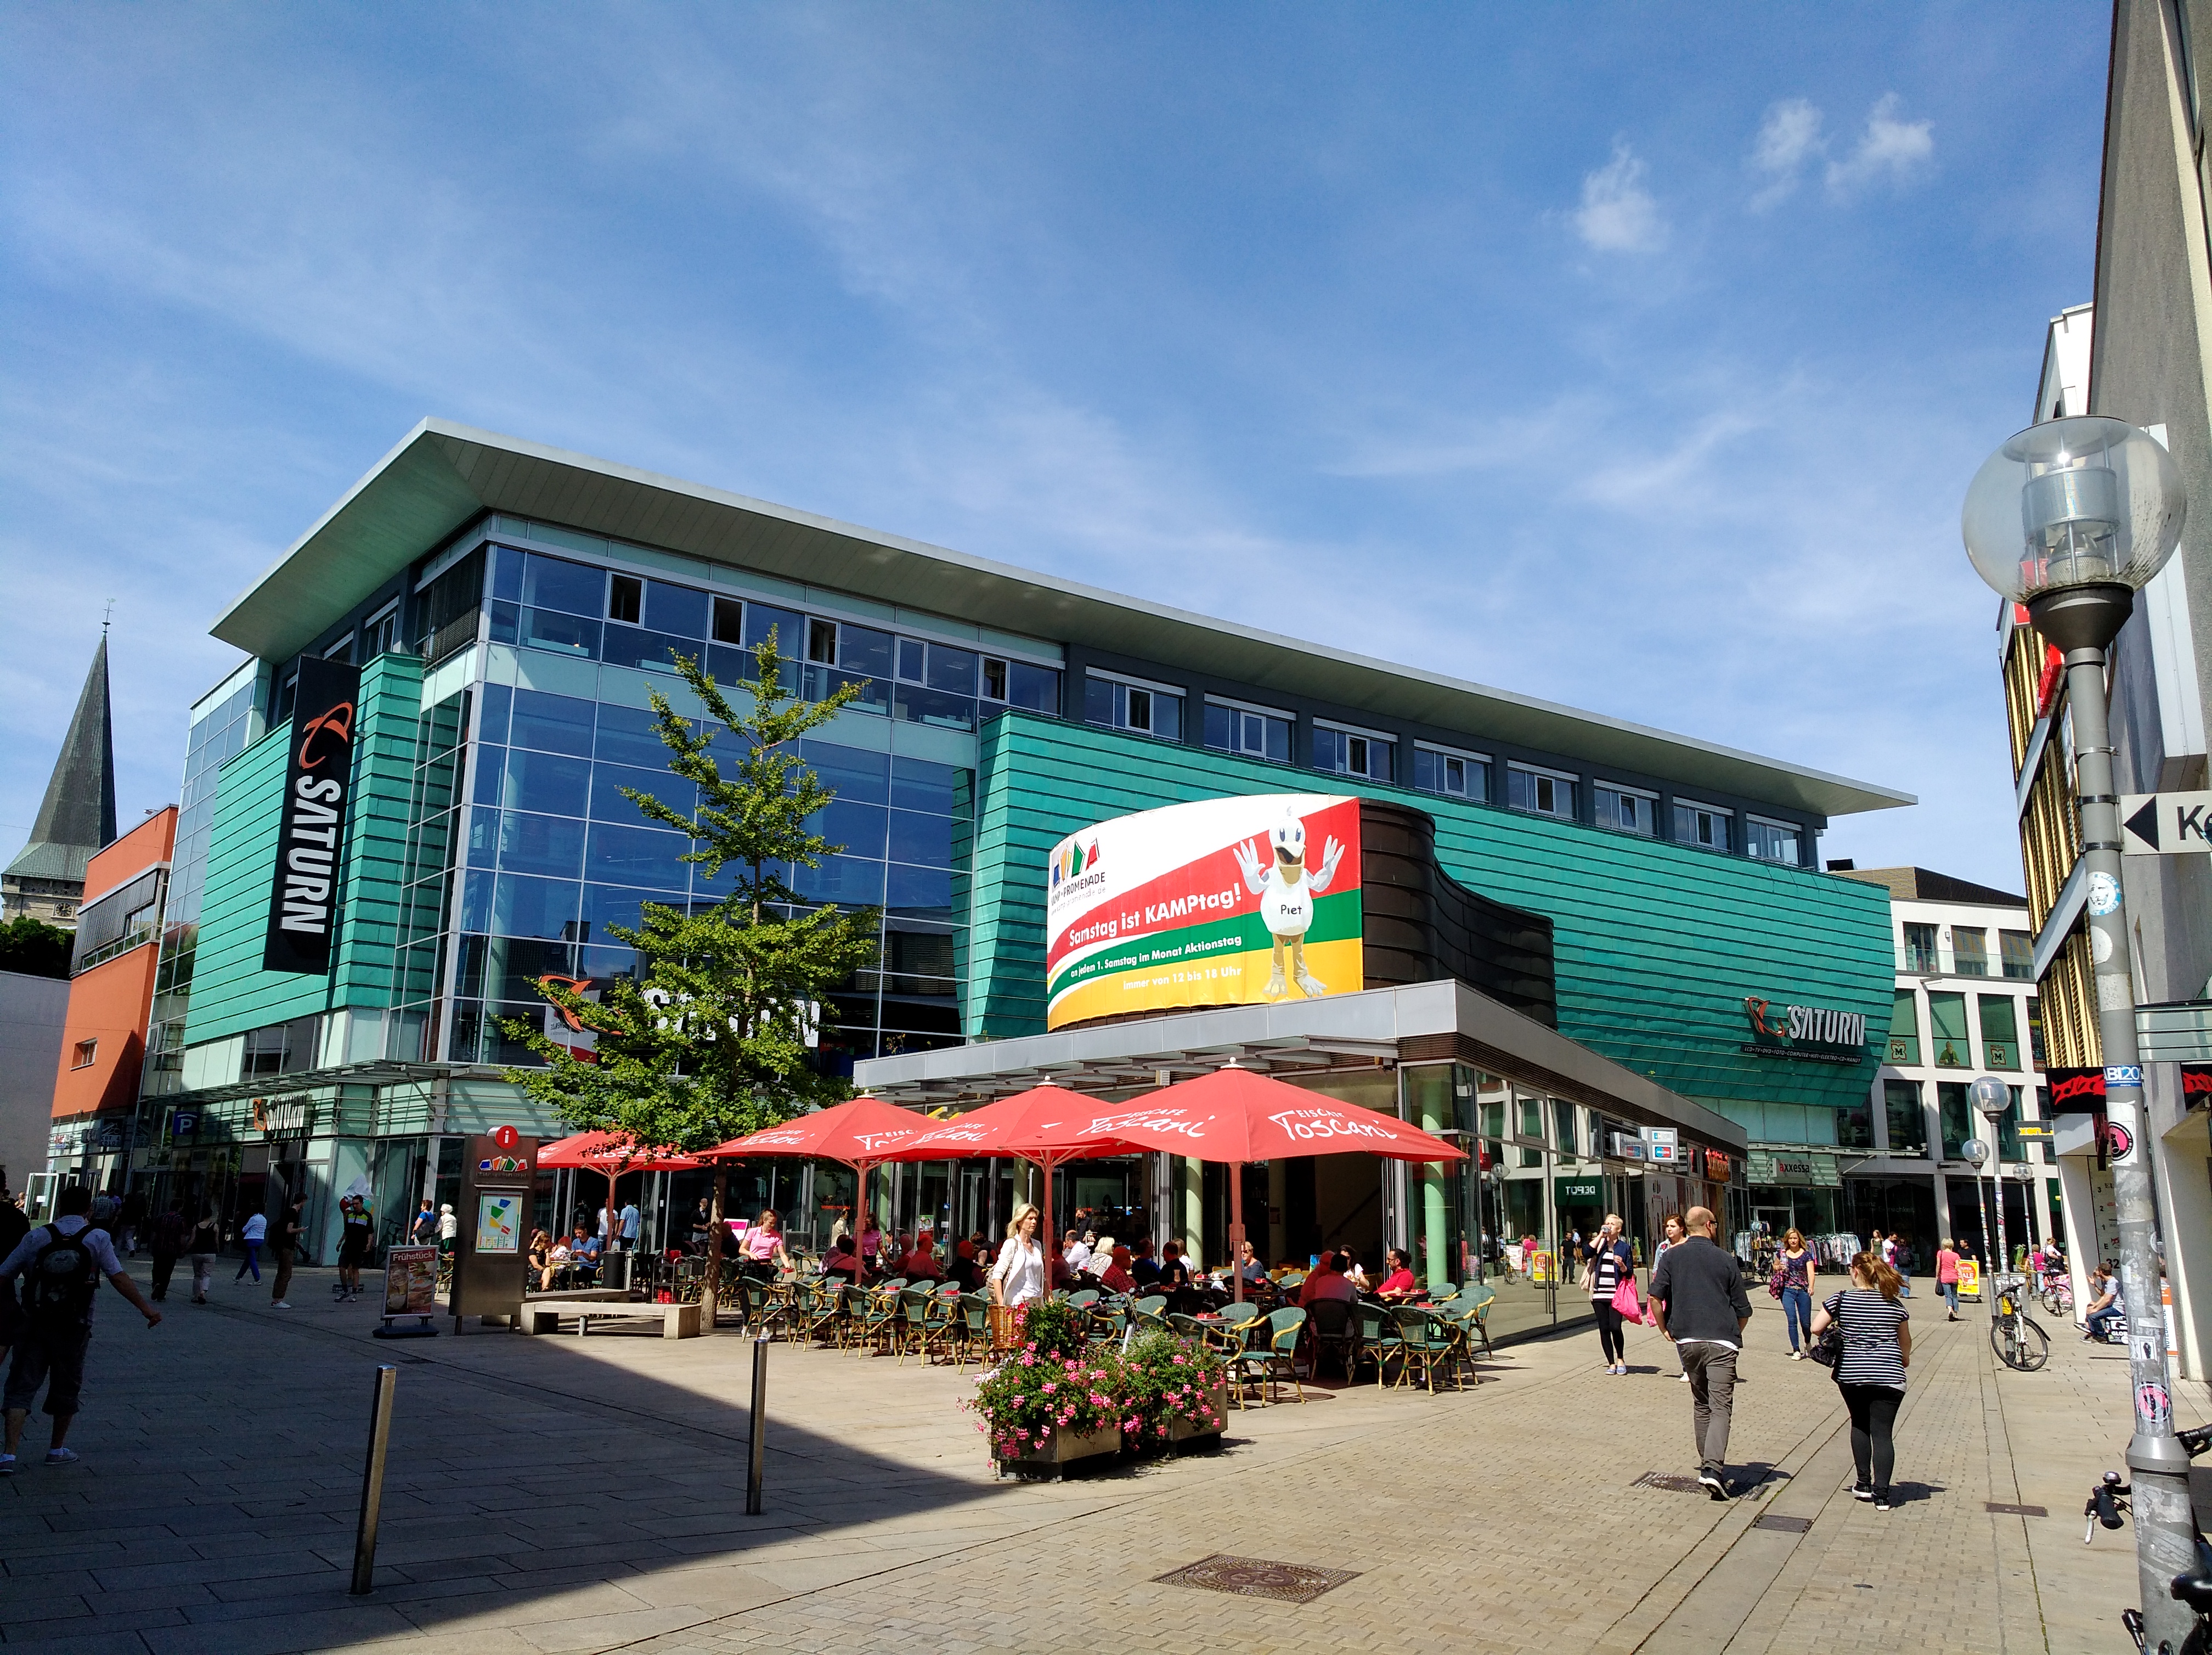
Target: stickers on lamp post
point(2103, 894)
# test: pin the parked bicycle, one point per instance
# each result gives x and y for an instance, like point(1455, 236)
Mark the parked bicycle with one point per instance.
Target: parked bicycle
point(2019, 1340)
point(2108, 1505)
point(2057, 1295)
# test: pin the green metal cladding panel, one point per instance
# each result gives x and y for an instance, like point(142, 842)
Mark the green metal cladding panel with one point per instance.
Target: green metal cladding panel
point(231, 993)
point(1657, 943)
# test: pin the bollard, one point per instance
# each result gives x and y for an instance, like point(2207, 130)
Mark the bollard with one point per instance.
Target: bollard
point(372, 1480)
point(759, 1427)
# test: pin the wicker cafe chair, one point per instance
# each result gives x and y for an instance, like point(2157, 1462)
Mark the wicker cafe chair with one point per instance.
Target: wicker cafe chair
point(1274, 1352)
point(1226, 1342)
point(968, 1328)
point(1378, 1339)
point(1150, 1312)
point(923, 1324)
point(1335, 1328)
point(1427, 1344)
point(1471, 1311)
point(1083, 1298)
point(814, 1310)
point(880, 1317)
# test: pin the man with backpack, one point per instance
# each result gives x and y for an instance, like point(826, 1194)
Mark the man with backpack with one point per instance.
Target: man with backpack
point(61, 1264)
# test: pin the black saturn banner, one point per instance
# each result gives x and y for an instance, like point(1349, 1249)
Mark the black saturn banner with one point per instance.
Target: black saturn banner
point(303, 889)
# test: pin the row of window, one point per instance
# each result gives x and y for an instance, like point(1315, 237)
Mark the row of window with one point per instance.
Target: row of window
point(1132, 704)
point(1904, 1121)
point(1948, 1045)
point(1922, 954)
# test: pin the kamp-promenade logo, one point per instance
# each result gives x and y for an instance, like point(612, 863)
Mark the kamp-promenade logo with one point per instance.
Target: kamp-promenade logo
point(1074, 859)
point(1816, 1034)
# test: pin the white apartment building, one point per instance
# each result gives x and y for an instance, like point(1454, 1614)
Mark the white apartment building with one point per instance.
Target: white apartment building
point(1965, 1007)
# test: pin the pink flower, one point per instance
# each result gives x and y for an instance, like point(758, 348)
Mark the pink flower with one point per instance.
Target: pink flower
point(1049, 1388)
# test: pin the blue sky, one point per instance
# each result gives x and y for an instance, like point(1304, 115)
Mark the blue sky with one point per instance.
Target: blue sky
point(1633, 357)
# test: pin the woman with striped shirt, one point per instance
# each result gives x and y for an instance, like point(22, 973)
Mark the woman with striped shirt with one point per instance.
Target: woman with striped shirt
point(1870, 1373)
point(1609, 1261)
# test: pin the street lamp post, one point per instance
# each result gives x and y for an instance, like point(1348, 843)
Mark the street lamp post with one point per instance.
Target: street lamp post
point(1993, 1098)
point(2070, 518)
point(1975, 1152)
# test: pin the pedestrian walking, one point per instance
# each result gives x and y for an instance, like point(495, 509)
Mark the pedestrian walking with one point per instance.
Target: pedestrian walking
point(1610, 1262)
point(449, 1228)
point(62, 1263)
point(1900, 1260)
point(1946, 1277)
point(1671, 1236)
point(424, 1231)
point(1877, 1349)
point(205, 1242)
point(1792, 1283)
point(1697, 1297)
point(168, 1236)
point(284, 1237)
point(353, 1247)
point(14, 1227)
point(250, 1235)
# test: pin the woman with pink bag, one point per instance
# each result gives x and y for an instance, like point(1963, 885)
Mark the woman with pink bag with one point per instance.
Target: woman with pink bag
point(1610, 1265)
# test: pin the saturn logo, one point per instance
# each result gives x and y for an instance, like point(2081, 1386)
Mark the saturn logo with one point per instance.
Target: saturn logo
point(337, 722)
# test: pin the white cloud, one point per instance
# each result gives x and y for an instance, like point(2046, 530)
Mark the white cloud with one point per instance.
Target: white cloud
point(1789, 137)
point(1618, 214)
point(1889, 149)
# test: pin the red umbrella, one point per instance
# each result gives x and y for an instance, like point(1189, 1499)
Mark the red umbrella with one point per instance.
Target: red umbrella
point(1238, 1115)
point(861, 1133)
point(993, 1129)
point(611, 1153)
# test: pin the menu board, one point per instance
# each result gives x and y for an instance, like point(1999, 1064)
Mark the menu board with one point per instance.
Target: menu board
point(410, 1280)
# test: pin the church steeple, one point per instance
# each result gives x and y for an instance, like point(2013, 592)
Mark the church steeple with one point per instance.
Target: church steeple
point(77, 815)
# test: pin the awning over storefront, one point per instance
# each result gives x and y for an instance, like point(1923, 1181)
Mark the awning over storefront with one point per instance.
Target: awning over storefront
point(1381, 1028)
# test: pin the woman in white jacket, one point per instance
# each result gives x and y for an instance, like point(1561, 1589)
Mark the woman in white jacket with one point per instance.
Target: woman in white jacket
point(1018, 1276)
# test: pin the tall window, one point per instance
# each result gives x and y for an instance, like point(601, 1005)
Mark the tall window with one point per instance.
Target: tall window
point(1855, 1125)
point(1562, 1121)
point(381, 636)
point(1908, 1119)
point(1904, 1029)
point(1969, 948)
point(1920, 949)
point(1250, 730)
point(2018, 949)
point(2000, 1031)
point(1956, 1117)
point(1353, 752)
point(2035, 1030)
point(1773, 842)
point(1454, 774)
point(1947, 1030)
point(1544, 793)
point(1625, 810)
point(1145, 709)
point(1704, 825)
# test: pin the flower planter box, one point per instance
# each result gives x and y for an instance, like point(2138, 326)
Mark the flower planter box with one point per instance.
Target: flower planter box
point(1066, 1448)
point(1186, 1436)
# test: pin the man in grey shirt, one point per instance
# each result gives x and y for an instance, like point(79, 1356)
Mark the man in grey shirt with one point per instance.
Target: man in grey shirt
point(1697, 1294)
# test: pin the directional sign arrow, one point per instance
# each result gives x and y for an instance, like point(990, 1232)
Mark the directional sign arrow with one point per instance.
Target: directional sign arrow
point(2166, 824)
point(2144, 824)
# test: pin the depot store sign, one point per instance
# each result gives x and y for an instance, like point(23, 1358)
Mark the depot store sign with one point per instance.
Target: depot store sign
point(1224, 901)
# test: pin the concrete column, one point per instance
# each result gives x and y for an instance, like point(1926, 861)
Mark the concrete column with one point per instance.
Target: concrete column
point(2184, 1189)
point(1428, 1099)
point(2076, 1205)
point(1191, 1231)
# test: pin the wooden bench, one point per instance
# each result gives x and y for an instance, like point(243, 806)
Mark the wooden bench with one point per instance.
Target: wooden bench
point(543, 1316)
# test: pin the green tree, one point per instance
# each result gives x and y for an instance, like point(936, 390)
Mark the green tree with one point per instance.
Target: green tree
point(34, 948)
point(708, 1041)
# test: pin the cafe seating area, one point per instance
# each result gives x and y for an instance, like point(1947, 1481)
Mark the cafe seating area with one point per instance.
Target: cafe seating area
point(1272, 1349)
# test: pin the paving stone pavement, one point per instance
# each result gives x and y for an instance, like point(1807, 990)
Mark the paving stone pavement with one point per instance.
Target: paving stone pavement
point(567, 1494)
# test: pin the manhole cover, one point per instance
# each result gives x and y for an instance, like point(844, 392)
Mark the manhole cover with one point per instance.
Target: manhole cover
point(1787, 1524)
point(1999, 1508)
point(1255, 1577)
point(1672, 1482)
